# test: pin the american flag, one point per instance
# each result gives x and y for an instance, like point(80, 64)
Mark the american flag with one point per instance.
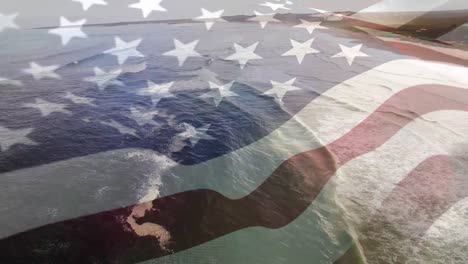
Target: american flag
point(246, 132)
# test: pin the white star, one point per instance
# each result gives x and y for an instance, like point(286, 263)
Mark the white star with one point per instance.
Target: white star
point(156, 91)
point(121, 128)
point(219, 91)
point(148, 6)
point(134, 68)
point(88, 3)
point(300, 50)
point(183, 51)
point(7, 21)
point(143, 118)
point(207, 75)
point(210, 17)
point(10, 82)
point(69, 30)
point(41, 72)
point(243, 55)
point(275, 6)
point(279, 90)
point(46, 108)
point(79, 99)
point(350, 53)
point(10, 137)
point(195, 134)
point(264, 19)
point(104, 79)
point(123, 50)
point(310, 26)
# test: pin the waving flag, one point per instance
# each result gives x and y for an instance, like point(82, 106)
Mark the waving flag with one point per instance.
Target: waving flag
point(265, 132)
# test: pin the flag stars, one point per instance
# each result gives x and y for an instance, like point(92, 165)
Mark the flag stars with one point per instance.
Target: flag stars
point(156, 91)
point(274, 6)
point(124, 50)
point(243, 55)
point(10, 82)
point(310, 26)
point(79, 99)
point(218, 92)
point(210, 17)
point(11, 137)
point(69, 30)
point(46, 108)
point(350, 53)
point(148, 6)
point(264, 19)
point(42, 72)
point(195, 134)
point(279, 89)
point(143, 117)
point(183, 51)
point(300, 50)
point(105, 79)
point(124, 130)
point(7, 21)
point(86, 4)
